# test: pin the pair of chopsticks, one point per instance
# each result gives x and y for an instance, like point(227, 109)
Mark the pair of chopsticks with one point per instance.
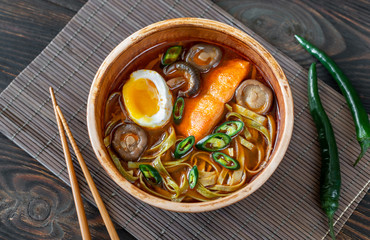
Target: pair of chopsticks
point(63, 126)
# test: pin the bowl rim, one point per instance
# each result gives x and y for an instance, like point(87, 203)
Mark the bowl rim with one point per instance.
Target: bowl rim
point(279, 150)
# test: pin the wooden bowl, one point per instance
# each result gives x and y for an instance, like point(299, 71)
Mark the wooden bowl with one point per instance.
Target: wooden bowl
point(177, 30)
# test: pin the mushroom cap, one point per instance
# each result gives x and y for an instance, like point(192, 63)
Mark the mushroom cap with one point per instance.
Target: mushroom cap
point(191, 75)
point(129, 141)
point(254, 95)
point(204, 56)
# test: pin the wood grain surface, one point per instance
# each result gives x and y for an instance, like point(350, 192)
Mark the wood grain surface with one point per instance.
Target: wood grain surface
point(34, 204)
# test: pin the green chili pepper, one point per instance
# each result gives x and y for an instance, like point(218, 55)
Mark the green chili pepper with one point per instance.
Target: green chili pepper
point(330, 180)
point(230, 128)
point(151, 174)
point(214, 142)
point(225, 160)
point(184, 147)
point(178, 110)
point(193, 177)
point(171, 55)
point(358, 111)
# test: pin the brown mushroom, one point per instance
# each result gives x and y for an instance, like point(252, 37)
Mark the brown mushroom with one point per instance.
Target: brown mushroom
point(204, 56)
point(189, 73)
point(175, 83)
point(129, 141)
point(254, 95)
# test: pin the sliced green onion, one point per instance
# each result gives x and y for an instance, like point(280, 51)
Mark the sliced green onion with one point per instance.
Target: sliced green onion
point(230, 128)
point(214, 142)
point(178, 110)
point(151, 174)
point(171, 55)
point(184, 147)
point(193, 177)
point(225, 161)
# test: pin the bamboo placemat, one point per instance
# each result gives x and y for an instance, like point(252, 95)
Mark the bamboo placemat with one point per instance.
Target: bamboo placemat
point(286, 206)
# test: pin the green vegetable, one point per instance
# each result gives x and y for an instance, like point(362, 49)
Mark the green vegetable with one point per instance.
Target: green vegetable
point(330, 180)
point(150, 174)
point(184, 147)
point(230, 128)
point(171, 55)
point(358, 111)
point(214, 142)
point(178, 110)
point(225, 160)
point(193, 177)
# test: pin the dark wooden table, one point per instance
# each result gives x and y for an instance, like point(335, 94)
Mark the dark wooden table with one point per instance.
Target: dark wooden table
point(27, 26)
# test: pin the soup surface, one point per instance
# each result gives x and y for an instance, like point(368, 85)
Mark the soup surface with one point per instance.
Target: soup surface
point(190, 121)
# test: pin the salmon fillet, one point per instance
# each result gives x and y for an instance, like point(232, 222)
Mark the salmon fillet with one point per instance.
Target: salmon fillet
point(202, 113)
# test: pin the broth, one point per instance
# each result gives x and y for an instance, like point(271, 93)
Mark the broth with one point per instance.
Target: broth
point(218, 98)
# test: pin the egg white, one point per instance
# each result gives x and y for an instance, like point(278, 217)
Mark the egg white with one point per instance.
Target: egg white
point(165, 102)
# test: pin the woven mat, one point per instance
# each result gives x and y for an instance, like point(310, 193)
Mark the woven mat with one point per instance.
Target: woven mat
point(286, 206)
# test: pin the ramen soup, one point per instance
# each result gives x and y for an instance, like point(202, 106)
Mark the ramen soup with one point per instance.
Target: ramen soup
point(190, 121)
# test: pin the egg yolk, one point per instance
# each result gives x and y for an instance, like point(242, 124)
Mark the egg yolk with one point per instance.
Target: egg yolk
point(141, 98)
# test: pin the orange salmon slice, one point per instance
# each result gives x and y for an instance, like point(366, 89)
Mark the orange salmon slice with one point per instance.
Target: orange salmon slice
point(202, 113)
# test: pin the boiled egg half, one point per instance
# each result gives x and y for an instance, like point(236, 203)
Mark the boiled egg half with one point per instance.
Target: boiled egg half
point(147, 99)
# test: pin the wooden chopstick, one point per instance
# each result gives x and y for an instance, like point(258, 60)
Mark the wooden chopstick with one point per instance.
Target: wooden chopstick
point(99, 202)
point(85, 232)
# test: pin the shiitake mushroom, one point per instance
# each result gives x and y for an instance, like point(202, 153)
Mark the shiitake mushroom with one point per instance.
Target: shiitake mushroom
point(204, 56)
point(129, 141)
point(254, 95)
point(189, 73)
